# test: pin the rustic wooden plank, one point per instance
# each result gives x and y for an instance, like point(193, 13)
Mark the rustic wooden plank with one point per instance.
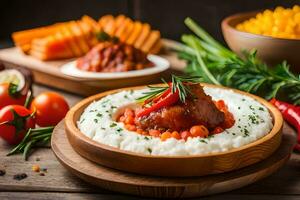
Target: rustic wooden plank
point(92, 196)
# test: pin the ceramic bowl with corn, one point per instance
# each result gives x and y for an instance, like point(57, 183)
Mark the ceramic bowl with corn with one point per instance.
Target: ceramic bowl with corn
point(275, 34)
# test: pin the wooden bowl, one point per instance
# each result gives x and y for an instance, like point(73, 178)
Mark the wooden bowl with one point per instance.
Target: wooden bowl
point(175, 166)
point(271, 50)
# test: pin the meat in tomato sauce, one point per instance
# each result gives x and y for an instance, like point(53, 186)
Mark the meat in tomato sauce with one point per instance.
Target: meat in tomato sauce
point(199, 115)
point(199, 109)
point(113, 57)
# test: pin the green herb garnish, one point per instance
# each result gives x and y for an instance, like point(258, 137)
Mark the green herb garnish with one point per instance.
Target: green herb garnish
point(149, 150)
point(261, 108)
point(203, 141)
point(178, 84)
point(216, 64)
point(113, 125)
point(33, 137)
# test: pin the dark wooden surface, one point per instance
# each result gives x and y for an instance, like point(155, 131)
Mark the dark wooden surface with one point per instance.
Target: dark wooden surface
point(58, 183)
point(163, 15)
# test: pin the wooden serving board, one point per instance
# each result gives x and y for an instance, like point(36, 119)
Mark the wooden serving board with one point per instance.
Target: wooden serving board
point(162, 187)
point(48, 72)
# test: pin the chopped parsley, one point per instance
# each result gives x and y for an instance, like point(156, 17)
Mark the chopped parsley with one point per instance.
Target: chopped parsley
point(113, 125)
point(261, 108)
point(253, 119)
point(251, 107)
point(146, 138)
point(203, 141)
point(149, 150)
point(99, 115)
point(239, 107)
point(119, 130)
point(112, 107)
point(96, 120)
point(82, 120)
point(246, 132)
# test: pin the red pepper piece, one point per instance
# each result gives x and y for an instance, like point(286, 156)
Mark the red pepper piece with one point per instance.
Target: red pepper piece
point(166, 99)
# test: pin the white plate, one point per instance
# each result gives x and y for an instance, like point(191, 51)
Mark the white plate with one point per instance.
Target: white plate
point(160, 65)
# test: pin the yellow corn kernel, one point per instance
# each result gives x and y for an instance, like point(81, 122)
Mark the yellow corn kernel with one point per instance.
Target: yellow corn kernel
point(296, 9)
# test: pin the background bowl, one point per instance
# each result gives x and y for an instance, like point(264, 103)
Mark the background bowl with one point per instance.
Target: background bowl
point(271, 50)
point(173, 166)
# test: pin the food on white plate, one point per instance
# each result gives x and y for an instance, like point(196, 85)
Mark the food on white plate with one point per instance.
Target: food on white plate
point(75, 38)
point(113, 57)
point(180, 118)
point(157, 65)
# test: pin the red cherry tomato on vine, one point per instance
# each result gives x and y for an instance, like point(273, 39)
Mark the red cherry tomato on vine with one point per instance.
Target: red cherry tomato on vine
point(9, 95)
point(50, 108)
point(15, 120)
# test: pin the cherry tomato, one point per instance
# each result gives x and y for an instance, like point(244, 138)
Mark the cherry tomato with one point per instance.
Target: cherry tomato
point(8, 96)
point(176, 135)
point(166, 135)
point(50, 108)
point(199, 130)
point(185, 135)
point(15, 120)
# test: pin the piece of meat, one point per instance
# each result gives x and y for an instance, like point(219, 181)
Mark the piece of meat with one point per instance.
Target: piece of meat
point(199, 109)
point(111, 57)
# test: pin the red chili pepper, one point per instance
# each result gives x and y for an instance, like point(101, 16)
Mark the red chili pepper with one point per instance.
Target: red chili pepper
point(291, 114)
point(166, 99)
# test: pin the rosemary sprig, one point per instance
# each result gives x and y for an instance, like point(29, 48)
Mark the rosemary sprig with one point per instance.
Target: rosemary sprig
point(154, 91)
point(216, 64)
point(178, 84)
point(33, 137)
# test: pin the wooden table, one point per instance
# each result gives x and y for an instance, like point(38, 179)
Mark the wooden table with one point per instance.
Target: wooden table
point(58, 183)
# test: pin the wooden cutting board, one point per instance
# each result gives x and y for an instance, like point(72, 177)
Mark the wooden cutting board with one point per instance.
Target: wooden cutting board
point(48, 72)
point(161, 187)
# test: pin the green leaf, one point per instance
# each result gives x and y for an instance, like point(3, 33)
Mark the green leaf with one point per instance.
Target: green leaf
point(275, 88)
point(13, 90)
